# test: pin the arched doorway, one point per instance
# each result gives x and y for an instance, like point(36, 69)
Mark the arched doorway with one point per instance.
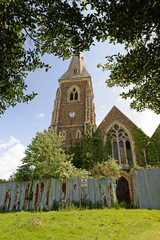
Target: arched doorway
point(122, 190)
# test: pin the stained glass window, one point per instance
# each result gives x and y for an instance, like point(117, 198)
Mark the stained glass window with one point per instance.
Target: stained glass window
point(115, 151)
point(116, 127)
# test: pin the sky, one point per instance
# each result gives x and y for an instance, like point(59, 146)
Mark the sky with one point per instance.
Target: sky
point(19, 125)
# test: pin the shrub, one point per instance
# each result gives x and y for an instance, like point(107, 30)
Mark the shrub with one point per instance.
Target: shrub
point(109, 168)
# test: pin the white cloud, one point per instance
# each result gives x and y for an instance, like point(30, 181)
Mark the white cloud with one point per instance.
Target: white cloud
point(146, 120)
point(149, 121)
point(11, 142)
point(10, 156)
point(41, 115)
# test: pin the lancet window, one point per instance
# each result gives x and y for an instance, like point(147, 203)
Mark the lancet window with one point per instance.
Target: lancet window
point(78, 134)
point(75, 71)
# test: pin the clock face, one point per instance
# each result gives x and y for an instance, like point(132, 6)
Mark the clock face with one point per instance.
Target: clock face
point(72, 114)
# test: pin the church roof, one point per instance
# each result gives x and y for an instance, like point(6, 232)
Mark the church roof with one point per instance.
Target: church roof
point(115, 115)
point(77, 68)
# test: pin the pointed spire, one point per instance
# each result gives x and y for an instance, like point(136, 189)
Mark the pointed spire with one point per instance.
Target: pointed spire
point(77, 68)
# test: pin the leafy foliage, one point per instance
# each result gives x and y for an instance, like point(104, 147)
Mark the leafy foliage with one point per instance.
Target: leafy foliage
point(136, 68)
point(89, 151)
point(3, 181)
point(63, 28)
point(108, 144)
point(153, 149)
point(46, 159)
point(136, 24)
point(109, 168)
point(67, 170)
point(15, 60)
point(28, 30)
point(152, 146)
point(152, 154)
point(141, 141)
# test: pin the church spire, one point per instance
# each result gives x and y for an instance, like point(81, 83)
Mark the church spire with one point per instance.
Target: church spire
point(77, 68)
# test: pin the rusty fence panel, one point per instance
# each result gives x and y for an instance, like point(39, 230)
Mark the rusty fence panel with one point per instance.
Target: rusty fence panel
point(146, 188)
point(100, 190)
point(33, 194)
point(73, 190)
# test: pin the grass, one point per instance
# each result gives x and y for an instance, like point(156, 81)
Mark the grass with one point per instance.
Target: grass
point(81, 225)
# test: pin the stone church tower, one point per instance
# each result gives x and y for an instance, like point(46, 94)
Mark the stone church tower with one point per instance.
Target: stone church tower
point(74, 109)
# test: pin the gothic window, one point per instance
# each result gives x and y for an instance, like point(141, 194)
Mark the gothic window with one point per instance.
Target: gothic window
point(74, 94)
point(115, 151)
point(78, 134)
point(121, 145)
point(75, 71)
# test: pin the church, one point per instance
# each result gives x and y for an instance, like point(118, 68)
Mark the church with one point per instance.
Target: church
point(74, 112)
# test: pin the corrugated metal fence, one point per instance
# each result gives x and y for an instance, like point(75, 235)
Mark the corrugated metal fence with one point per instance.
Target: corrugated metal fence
point(30, 195)
point(146, 188)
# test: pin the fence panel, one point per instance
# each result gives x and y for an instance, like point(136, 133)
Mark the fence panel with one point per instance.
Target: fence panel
point(30, 195)
point(147, 187)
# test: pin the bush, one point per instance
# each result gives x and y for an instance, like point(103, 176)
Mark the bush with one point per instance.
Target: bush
point(109, 168)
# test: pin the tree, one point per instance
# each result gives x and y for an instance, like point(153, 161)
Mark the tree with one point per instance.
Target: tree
point(136, 24)
point(3, 181)
point(63, 28)
point(28, 30)
point(46, 159)
point(89, 151)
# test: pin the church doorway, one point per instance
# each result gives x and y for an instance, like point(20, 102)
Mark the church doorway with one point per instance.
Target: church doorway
point(122, 190)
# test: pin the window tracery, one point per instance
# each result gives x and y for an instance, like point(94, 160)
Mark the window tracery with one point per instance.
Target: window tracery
point(121, 145)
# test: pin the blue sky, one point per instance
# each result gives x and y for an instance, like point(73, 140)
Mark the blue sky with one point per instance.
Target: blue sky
point(19, 125)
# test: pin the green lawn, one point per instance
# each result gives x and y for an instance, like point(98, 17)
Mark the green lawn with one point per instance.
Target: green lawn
point(102, 224)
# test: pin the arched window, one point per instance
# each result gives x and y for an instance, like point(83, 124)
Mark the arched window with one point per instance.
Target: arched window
point(78, 134)
point(75, 71)
point(74, 94)
point(121, 145)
